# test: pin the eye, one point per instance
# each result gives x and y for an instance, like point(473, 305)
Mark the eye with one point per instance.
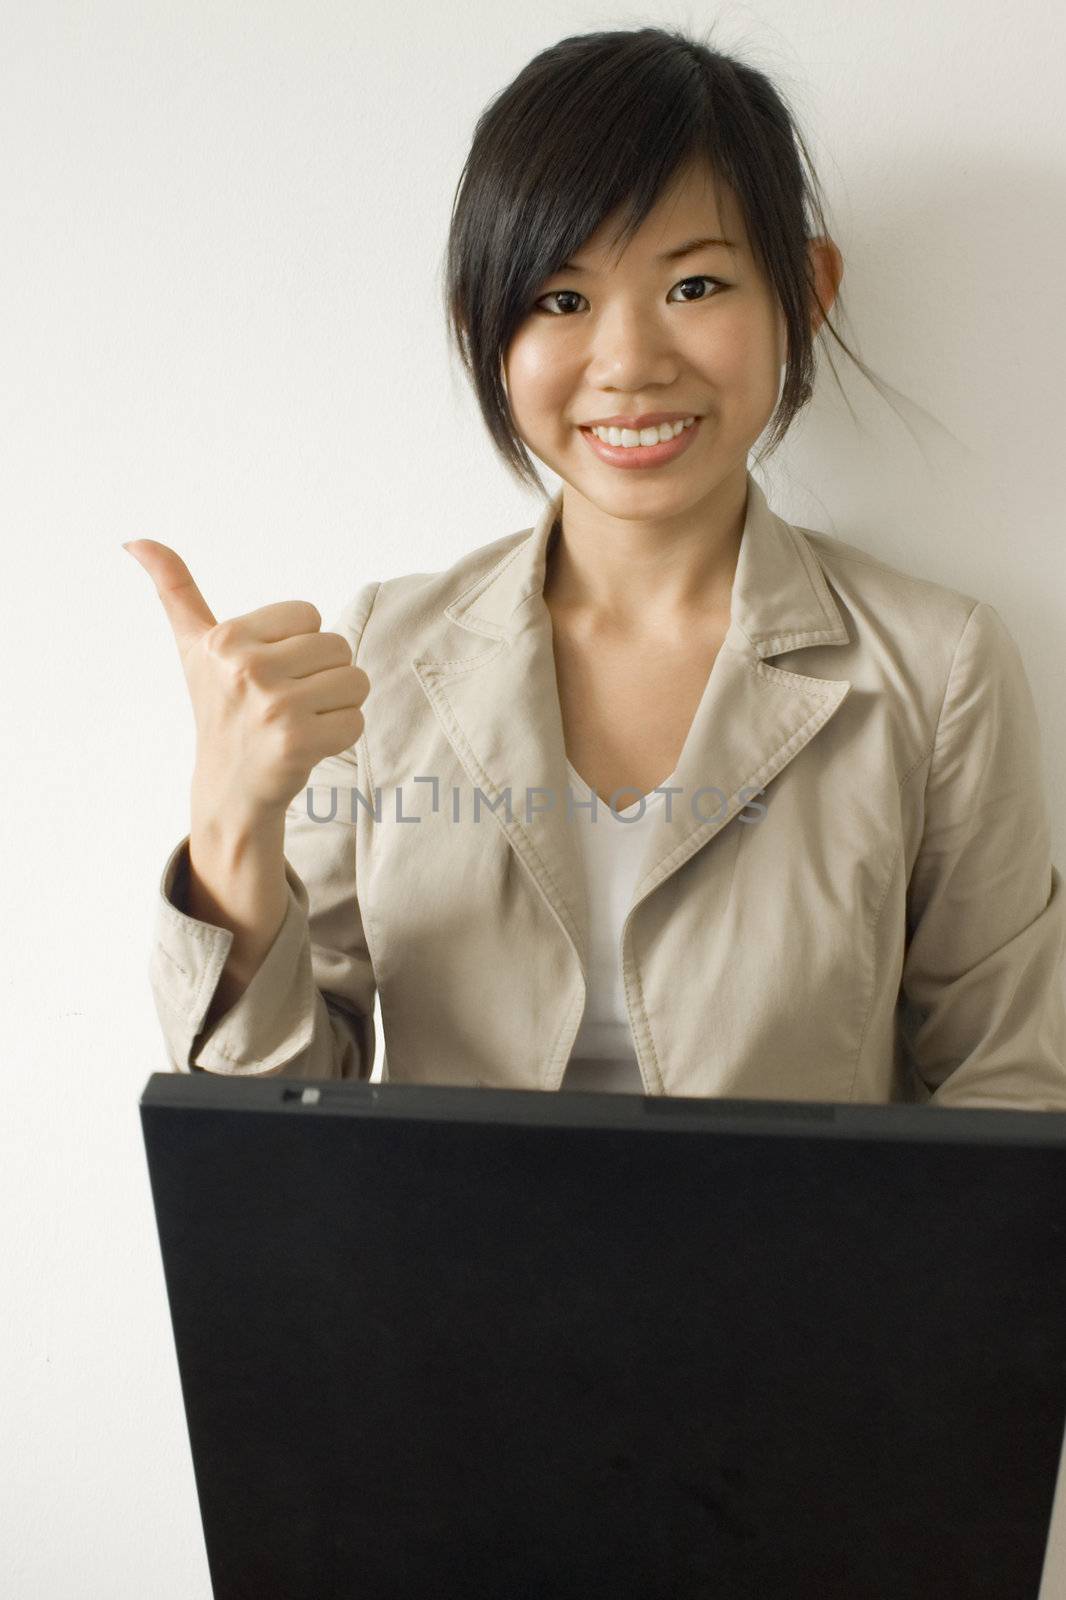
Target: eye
point(553, 294)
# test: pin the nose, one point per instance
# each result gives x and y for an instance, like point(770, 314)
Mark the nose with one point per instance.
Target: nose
point(632, 351)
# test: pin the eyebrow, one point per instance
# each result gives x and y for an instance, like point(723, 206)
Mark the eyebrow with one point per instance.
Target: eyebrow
point(686, 249)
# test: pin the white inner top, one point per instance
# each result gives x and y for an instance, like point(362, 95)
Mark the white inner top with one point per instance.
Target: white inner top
point(604, 1056)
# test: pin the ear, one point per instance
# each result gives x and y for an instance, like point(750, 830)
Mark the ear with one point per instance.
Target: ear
point(827, 269)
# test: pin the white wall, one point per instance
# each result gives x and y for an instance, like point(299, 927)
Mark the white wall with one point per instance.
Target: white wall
point(221, 228)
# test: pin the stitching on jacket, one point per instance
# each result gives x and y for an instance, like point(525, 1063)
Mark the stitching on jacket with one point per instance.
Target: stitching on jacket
point(911, 770)
point(199, 1004)
point(469, 662)
point(756, 777)
point(567, 1020)
point(523, 841)
point(237, 1060)
point(488, 787)
point(166, 955)
point(220, 1049)
point(806, 635)
point(943, 703)
point(494, 572)
point(642, 1011)
point(364, 911)
point(665, 867)
point(765, 675)
point(369, 932)
point(873, 975)
point(206, 935)
point(362, 743)
point(808, 558)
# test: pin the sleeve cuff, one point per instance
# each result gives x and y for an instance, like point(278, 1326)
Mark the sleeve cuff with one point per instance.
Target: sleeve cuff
point(273, 1019)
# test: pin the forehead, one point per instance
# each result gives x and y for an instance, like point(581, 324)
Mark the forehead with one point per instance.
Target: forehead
point(689, 208)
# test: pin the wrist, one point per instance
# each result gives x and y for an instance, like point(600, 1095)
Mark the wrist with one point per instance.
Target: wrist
point(237, 819)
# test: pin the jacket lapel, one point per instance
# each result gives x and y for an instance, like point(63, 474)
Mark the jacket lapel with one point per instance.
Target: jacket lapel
point(499, 705)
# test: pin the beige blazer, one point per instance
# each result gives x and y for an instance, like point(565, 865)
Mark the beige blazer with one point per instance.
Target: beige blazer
point(849, 896)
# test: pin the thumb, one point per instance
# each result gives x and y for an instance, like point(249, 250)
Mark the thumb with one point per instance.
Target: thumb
point(188, 612)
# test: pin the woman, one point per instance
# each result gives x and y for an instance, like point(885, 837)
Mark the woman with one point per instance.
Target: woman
point(826, 874)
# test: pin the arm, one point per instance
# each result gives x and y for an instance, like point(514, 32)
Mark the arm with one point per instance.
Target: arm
point(235, 878)
point(298, 999)
point(985, 1004)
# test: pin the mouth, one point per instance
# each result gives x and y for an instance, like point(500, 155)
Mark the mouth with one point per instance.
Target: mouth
point(641, 455)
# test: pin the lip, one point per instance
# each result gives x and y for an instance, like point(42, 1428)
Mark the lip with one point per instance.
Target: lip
point(650, 419)
point(641, 455)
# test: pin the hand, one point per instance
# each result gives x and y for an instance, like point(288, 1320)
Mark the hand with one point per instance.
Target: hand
point(271, 694)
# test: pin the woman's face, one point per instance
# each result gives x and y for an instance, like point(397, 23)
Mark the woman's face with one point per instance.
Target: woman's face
point(699, 335)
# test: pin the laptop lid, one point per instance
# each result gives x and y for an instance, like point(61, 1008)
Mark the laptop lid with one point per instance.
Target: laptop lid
point(501, 1343)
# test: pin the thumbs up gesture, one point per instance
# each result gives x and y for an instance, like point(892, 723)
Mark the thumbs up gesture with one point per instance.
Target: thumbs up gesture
point(271, 694)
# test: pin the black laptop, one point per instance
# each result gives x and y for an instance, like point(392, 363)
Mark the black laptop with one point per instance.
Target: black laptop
point(512, 1345)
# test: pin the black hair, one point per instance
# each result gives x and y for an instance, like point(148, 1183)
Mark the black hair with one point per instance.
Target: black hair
point(535, 186)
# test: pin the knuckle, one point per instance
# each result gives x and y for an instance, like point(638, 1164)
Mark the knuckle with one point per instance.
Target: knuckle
point(244, 671)
point(340, 649)
point(276, 713)
point(219, 640)
point(290, 745)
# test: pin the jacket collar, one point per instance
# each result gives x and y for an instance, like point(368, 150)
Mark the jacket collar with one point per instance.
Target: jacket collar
point(780, 598)
point(499, 707)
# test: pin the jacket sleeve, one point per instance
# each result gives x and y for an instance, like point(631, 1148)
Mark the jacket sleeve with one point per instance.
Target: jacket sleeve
point(308, 1011)
point(984, 1014)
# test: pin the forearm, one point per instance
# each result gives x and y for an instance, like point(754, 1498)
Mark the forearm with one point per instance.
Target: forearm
point(236, 881)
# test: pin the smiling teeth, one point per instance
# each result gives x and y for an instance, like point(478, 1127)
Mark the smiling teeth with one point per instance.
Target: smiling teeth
point(628, 437)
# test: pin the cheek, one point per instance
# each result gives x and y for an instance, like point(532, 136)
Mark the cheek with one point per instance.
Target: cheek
point(739, 351)
point(537, 377)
